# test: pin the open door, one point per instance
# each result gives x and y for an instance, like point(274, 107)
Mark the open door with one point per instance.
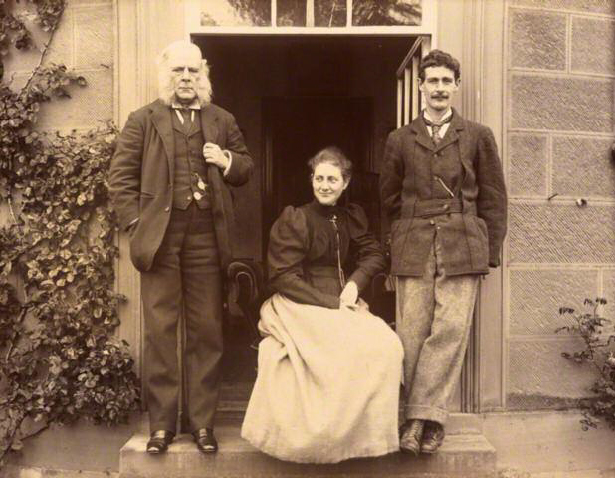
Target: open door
point(409, 101)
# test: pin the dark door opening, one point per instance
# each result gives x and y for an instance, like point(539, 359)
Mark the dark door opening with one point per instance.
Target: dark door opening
point(293, 95)
point(295, 129)
point(248, 72)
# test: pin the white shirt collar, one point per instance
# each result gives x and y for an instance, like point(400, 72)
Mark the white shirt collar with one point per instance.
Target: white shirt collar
point(195, 105)
point(445, 117)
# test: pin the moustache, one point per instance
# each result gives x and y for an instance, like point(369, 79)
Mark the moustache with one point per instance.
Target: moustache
point(439, 96)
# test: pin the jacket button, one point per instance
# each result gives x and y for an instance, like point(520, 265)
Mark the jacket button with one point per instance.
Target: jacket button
point(432, 222)
point(446, 207)
point(167, 209)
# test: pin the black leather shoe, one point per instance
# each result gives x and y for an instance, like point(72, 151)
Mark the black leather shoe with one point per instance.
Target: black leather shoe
point(410, 437)
point(159, 441)
point(433, 436)
point(205, 440)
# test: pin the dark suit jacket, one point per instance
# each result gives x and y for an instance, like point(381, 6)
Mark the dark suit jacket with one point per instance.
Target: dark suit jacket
point(141, 177)
point(471, 227)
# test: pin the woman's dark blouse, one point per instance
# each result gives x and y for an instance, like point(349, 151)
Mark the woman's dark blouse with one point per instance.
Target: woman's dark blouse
point(302, 256)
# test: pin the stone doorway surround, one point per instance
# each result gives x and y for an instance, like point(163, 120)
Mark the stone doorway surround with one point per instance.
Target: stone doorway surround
point(144, 27)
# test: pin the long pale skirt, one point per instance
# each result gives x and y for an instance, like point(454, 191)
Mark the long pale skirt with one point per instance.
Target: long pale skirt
point(327, 386)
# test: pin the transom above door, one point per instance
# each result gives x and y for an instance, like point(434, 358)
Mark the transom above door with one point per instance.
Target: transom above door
point(306, 16)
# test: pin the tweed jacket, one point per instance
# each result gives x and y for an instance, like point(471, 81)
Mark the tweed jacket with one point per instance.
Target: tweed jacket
point(141, 177)
point(454, 190)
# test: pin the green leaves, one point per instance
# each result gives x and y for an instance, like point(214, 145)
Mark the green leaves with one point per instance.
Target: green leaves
point(598, 338)
point(59, 359)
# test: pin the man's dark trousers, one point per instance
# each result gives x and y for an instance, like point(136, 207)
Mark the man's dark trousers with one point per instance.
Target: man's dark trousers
point(185, 274)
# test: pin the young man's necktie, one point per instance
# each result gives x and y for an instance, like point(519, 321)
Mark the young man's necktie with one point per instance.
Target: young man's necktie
point(435, 128)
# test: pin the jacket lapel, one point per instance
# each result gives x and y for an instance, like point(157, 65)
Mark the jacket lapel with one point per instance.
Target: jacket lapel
point(209, 127)
point(161, 118)
point(209, 124)
point(422, 135)
point(452, 134)
point(459, 133)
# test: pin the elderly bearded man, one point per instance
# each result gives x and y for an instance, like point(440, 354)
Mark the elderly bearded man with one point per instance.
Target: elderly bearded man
point(443, 189)
point(169, 182)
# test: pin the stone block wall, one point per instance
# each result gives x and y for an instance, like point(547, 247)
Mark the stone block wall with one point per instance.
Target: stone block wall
point(560, 120)
point(84, 42)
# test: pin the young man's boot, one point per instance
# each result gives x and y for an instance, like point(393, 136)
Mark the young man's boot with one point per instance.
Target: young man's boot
point(433, 436)
point(411, 435)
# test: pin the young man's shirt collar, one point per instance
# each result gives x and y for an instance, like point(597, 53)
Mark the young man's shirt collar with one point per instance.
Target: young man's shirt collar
point(444, 127)
point(445, 117)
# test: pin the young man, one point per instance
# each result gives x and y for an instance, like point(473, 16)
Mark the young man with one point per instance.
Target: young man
point(443, 190)
point(169, 182)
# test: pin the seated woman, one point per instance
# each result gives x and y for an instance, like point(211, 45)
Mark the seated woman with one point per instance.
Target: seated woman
point(328, 371)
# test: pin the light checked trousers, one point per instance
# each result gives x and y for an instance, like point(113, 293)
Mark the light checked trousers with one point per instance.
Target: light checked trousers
point(433, 319)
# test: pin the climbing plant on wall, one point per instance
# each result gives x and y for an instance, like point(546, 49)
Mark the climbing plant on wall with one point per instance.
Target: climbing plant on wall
point(59, 358)
point(598, 351)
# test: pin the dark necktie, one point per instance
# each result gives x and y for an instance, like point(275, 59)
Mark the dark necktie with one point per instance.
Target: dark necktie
point(435, 128)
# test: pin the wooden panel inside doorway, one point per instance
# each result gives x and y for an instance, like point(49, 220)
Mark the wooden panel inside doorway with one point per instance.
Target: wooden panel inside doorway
point(295, 129)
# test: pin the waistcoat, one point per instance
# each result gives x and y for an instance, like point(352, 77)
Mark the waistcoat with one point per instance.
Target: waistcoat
point(190, 166)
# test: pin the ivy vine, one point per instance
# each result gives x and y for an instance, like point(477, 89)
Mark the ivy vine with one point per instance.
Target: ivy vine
point(59, 358)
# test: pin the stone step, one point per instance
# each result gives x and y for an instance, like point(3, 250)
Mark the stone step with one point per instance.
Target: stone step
point(457, 423)
point(462, 456)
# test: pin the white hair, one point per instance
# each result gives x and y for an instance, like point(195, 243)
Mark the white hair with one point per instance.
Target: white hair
point(166, 90)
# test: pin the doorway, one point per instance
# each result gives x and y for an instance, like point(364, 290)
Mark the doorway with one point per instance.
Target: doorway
point(292, 95)
point(247, 65)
